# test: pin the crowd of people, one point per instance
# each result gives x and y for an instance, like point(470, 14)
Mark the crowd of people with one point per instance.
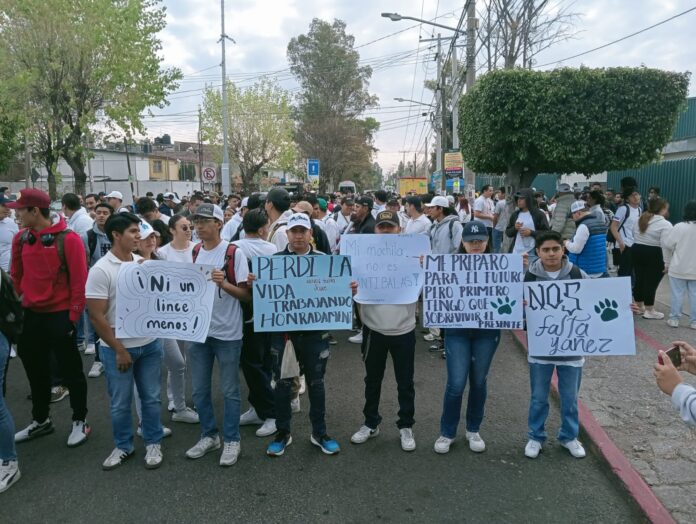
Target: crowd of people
point(64, 266)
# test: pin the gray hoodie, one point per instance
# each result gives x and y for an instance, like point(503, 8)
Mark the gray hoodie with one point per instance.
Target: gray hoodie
point(101, 248)
point(536, 272)
point(446, 235)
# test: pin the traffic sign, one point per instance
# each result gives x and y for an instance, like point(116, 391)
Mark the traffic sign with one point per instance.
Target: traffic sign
point(313, 167)
point(209, 174)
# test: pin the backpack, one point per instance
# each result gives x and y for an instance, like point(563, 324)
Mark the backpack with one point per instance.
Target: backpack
point(58, 240)
point(228, 264)
point(610, 237)
point(91, 244)
point(11, 312)
point(575, 274)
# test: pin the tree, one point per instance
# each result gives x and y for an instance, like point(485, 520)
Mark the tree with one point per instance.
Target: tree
point(333, 95)
point(583, 120)
point(260, 127)
point(513, 32)
point(72, 63)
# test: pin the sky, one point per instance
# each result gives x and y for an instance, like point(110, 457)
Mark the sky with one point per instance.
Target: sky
point(262, 29)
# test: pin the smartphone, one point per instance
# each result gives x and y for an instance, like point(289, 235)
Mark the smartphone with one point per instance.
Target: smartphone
point(674, 355)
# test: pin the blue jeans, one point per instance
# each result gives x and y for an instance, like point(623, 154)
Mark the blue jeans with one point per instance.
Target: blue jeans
point(146, 374)
point(312, 351)
point(201, 357)
point(679, 286)
point(469, 355)
point(569, 378)
point(7, 427)
point(497, 240)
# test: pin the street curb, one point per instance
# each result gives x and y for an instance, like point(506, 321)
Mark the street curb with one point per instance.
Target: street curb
point(637, 488)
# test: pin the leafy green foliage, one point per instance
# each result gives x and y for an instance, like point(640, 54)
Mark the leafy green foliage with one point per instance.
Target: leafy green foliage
point(583, 120)
point(72, 63)
point(334, 94)
point(260, 128)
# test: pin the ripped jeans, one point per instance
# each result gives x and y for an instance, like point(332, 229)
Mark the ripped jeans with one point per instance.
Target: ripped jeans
point(312, 350)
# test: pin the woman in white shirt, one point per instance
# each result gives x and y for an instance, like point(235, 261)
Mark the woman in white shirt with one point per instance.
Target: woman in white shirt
point(180, 249)
point(680, 258)
point(647, 256)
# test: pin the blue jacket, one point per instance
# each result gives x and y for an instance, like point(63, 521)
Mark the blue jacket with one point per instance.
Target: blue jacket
point(593, 258)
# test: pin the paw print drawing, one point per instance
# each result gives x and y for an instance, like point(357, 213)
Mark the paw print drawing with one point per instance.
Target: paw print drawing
point(607, 310)
point(504, 307)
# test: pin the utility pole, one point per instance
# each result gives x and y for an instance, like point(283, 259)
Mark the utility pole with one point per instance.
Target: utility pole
point(443, 123)
point(471, 25)
point(455, 96)
point(27, 162)
point(200, 147)
point(225, 116)
point(130, 175)
point(441, 102)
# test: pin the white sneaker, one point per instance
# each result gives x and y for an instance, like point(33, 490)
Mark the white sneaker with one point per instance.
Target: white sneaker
point(90, 349)
point(356, 339)
point(673, 322)
point(442, 445)
point(80, 432)
point(575, 448)
point(96, 370)
point(692, 325)
point(430, 337)
point(153, 456)
point(9, 474)
point(203, 446)
point(408, 443)
point(171, 407)
point(303, 385)
point(363, 434)
point(117, 457)
point(295, 405)
point(267, 428)
point(230, 453)
point(476, 443)
point(187, 415)
point(250, 418)
point(13, 351)
point(532, 449)
point(653, 315)
point(166, 432)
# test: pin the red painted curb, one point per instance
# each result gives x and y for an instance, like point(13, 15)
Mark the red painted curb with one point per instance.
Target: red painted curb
point(637, 488)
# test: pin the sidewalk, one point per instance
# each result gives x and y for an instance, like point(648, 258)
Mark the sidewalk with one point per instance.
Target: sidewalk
point(622, 395)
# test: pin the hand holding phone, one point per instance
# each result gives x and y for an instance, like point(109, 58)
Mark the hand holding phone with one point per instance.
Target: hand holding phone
point(674, 354)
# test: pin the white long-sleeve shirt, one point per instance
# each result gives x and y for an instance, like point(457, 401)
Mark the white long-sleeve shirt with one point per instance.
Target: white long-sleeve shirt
point(679, 248)
point(684, 401)
point(577, 243)
point(418, 226)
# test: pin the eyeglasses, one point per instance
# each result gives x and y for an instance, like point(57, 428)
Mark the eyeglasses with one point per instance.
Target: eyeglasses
point(185, 228)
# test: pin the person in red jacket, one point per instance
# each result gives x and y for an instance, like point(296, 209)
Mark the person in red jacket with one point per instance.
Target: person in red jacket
point(49, 270)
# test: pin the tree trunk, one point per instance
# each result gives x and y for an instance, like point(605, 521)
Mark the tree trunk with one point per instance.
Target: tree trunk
point(51, 178)
point(77, 164)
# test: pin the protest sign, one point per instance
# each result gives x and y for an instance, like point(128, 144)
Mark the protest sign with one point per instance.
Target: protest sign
point(473, 291)
point(164, 300)
point(386, 267)
point(302, 293)
point(580, 317)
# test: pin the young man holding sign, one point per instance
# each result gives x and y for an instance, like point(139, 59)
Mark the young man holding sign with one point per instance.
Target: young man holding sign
point(388, 329)
point(127, 360)
point(224, 340)
point(312, 350)
point(552, 264)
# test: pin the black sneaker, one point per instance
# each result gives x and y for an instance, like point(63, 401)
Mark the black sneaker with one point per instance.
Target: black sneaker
point(436, 348)
point(34, 430)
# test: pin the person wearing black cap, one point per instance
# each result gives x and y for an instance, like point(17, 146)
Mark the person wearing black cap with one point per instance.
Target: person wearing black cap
point(469, 353)
point(388, 328)
point(361, 218)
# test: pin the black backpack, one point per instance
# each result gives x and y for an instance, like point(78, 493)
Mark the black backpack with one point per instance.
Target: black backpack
point(11, 312)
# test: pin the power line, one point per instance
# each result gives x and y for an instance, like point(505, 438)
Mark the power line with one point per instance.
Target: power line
point(621, 39)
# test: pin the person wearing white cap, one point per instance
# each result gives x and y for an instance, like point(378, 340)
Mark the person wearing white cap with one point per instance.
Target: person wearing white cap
point(588, 247)
point(170, 204)
point(115, 200)
point(224, 340)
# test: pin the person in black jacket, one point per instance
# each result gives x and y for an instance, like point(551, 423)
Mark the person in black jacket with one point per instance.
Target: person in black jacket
point(361, 217)
point(525, 223)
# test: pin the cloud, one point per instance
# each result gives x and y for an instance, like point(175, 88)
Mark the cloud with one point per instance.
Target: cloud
point(262, 30)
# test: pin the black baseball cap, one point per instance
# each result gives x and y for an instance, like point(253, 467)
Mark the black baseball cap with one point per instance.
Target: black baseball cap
point(474, 230)
point(365, 201)
point(387, 217)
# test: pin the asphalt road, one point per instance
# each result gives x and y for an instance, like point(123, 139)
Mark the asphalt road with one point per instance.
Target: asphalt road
point(375, 481)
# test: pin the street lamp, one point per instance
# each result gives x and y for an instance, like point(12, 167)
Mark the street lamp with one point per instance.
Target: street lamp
point(396, 17)
point(413, 101)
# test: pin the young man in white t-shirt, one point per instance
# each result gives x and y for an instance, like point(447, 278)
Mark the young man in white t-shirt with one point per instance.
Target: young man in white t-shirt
point(484, 209)
point(127, 360)
point(621, 228)
point(224, 340)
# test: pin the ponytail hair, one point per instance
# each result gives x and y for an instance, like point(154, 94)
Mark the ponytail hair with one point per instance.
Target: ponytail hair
point(654, 207)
